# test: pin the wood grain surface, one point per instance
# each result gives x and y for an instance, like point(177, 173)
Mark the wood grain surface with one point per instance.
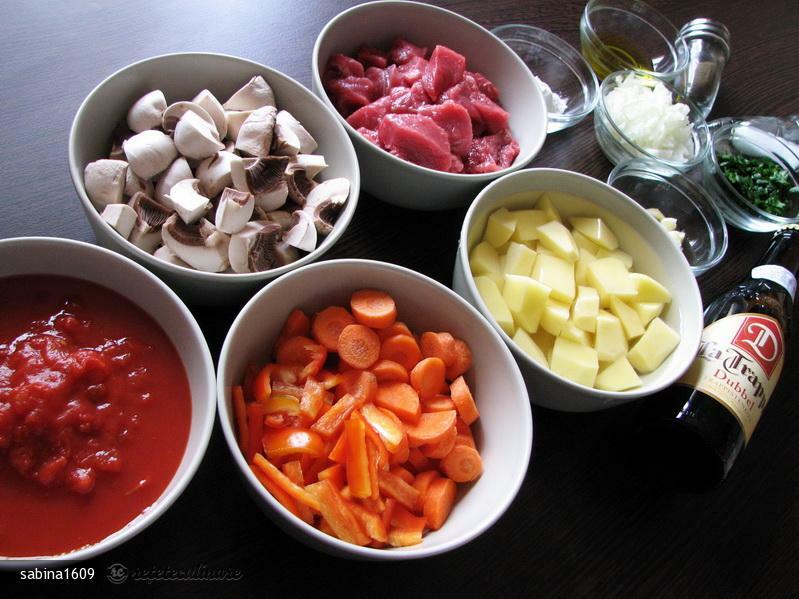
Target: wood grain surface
point(586, 523)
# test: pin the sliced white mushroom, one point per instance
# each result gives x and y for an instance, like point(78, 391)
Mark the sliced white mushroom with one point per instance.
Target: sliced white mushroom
point(116, 152)
point(167, 255)
point(135, 184)
point(149, 153)
point(196, 138)
point(255, 94)
point(147, 111)
point(255, 136)
point(175, 112)
point(214, 172)
point(188, 201)
point(150, 215)
point(299, 186)
point(230, 146)
point(336, 190)
point(211, 105)
point(201, 245)
point(234, 210)
point(121, 217)
point(281, 217)
point(104, 180)
point(235, 119)
point(177, 171)
point(312, 164)
point(264, 178)
point(325, 215)
point(252, 249)
point(303, 234)
point(285, 254)
point(286, 126)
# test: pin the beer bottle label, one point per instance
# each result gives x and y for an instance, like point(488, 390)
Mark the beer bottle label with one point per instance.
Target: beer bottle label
point(739, 363)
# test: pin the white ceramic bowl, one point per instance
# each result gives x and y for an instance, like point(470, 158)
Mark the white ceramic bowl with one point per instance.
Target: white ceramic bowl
point(181, 77)
point(639, 235)
point(45, 255)
point(377, 24)
point(504, 431)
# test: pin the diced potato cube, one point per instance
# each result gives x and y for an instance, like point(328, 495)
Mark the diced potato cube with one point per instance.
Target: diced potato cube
point(495, 304)
point(649, 290)
point(500, 227)
point(530, 347)
point(557, 274)
point(545, 203)
point(596, 230)
point(526, 299)
point(484, 260)
point(609, 341)
point(527, 223)
point(647, 311)
point(540, 249)
point(544, 340)
point(618, 376)
point(555, 317)
point(669, 223)
point(586, 308)
point(572, 332)
point(556, 237)
point(583, 242)
point(575, 362)
point(654, 346)
point(625, 258)
point(609, 277)
point(519, 260)
point(630, 321)
point(581, 267)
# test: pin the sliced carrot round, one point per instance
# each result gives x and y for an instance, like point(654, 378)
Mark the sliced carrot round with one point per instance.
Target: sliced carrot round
point(463, 360)
point(438, 501)
point(442, 447)
point(373, 308)
point(463, 464)
point(401, 399)
point(388, 371)
point(430, 428)
point(402, 349)
point(398, 328)
point(438, 345)
point(328, 324)
point(463, 400)
point(427, 377)
point(358, 346)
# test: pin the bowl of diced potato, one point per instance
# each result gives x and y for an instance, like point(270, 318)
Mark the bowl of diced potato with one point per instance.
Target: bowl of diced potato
point(598, 306)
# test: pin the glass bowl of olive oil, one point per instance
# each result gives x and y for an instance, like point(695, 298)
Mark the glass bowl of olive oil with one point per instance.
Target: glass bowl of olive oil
point(629, 34)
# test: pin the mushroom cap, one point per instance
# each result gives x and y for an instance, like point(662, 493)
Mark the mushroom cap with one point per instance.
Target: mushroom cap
point(255, 134)
point(196, 138)
point(285, 121)
point(206, 100)
point(146, 112)
point(214, 172)
point(200, 245)
point(303, 234)
point(235, 208)
point(264, 178)
point(253, 95)
point(104, 181)
point(176, 110)
point(188, 200)
point(149, 152)
point(252, 249)
point(177, 171)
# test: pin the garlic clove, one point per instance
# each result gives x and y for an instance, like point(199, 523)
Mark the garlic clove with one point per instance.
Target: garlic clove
point(175, 112)
point(121, 218)
point(195, 138)
point(149, 153)
point(234, 210)
point(187, 200)
point(252, 249)
point(177, 171)
point(206, 100)
point(104, 181)
point(285, 123)
point(214, 172)
point(255, 135)
point(146, 112)
point(303, 234)
point(202, 246)
point(255, 94)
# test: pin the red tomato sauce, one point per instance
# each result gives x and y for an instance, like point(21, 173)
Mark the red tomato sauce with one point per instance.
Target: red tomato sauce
point(95, 412)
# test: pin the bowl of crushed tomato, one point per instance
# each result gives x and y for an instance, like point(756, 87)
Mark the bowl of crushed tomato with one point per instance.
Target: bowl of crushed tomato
point(106, 400)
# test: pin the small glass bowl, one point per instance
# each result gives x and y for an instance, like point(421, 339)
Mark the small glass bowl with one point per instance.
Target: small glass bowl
point(655, 185)
point(629, 34)
point(619, 148)
point(743, 138)
point(558, 65)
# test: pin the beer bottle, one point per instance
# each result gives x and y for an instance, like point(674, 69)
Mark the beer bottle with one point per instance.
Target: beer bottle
point(695, 429)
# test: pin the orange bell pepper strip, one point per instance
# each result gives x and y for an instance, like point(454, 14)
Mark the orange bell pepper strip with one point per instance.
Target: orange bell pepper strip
point(282, 497)
point(304, 353)
point(357, 458)
point(240, 416)
point(395, 487)
point(388, 512)
point(262, 384)
point(313, 396)
point(373, 456)
point(293, 470)
point(337, 513)
point(383, 425)
point(281, 403)
point(360, 383)
point(255, 428)
point(335, 474)
point(297, 492)
point(331, 422)
point(418, 460)
point(339, 452)
point(287, 441)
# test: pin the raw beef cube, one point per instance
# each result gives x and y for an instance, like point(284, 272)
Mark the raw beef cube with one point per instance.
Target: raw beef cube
point(416, 138)
point(380, 78)
point(340, 66)
point(402, 51)
point(492, 115)
point(444, 70)
point(372, 57)
point(412, 70)
point(491, 153)
point(369, 116)
point(462, 94)
point(370, 135)
point(456, 166)
point(350, 93)
point(485, 86)
point(454, 119)
point(405, 100)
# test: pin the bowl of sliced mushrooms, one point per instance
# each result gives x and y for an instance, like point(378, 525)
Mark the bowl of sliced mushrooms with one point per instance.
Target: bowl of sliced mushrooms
point(215, 172)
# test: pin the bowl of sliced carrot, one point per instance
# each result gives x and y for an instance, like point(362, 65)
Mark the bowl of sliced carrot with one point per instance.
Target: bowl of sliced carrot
point(373, 413)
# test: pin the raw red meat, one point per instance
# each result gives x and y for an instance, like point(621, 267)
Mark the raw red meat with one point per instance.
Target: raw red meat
point(444, 70)
point(416, 138)
point(491, 153)
point(456, 166)
point(404, 99)
point(484, 85)
point(340, 66)
point(412, 70)
point(370, 135)
point(350, 93)
point(486, 114)
point(454, 119)
point(372, 57)
point(369, 116)
point(402, 51)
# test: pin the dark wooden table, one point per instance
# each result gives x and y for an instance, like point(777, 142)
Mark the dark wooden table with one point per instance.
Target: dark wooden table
point(585, 522)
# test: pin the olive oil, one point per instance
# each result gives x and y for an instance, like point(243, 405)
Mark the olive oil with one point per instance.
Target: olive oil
point(612, 54)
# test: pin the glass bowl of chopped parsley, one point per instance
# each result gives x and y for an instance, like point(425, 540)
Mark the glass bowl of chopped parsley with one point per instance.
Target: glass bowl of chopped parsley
point(754, 175)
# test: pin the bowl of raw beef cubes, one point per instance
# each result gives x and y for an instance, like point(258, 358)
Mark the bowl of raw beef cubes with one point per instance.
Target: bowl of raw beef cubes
point(436, 106)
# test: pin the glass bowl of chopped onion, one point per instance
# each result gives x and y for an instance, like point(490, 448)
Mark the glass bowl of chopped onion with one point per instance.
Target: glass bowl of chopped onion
point(753, 174)
point(640, 116)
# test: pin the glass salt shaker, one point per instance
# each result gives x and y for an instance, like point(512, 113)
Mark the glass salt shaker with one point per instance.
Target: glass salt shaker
point(708, 44)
